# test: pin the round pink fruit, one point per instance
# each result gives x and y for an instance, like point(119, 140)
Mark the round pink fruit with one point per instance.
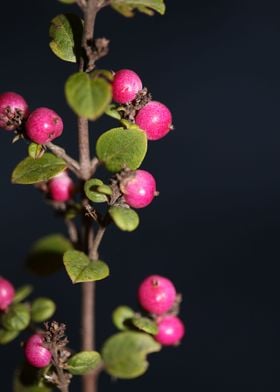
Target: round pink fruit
point(61, 187)
point(35, 353)
point(139, 189)
point(13, 110)
point(155, 120)
point(7, 293)
point(43, 125)
point(156, 294)
point(126, 85)
point(170, 331)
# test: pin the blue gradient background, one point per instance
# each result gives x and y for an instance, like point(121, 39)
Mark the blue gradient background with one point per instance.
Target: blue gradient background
point(215, 228)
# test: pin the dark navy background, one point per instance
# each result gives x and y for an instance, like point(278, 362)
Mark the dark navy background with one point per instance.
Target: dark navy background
point(215, 228)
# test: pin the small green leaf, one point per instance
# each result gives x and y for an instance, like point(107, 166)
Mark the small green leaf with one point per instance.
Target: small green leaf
point(22, 293)
point(127, 7)
point(42, 309)
point(105, 189)
point(120, 315)
point(7, 336)
point(88, 97)
point(46, 255)
point(83, 362)
point(30, 171)
point(105, 73)
point(81, 269)
point(66, 34)
point(124, 354)
point(92, 192)
point(17, 318)
point(113, 112)
point(35, 151)
point(124, 218)
point(119, 148)
point(145, 324)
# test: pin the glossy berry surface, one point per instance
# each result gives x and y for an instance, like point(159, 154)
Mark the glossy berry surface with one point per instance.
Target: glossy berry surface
point(156, 294)
point(61, 187)
point(139, 189)
point(170, 331)
point(43, 125)
point(13, 109)
point(125, 86)
point(7, 293)
point(155, 120)
point(35, 353)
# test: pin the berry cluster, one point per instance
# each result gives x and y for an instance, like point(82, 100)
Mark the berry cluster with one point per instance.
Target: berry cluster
point(157, 295)
point(153, 117)
point(40, 126)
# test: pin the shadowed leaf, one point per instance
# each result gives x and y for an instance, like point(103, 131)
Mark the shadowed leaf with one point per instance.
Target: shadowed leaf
point(31, 171)
point(124, 354)
point(46, 255)
point(66, 33)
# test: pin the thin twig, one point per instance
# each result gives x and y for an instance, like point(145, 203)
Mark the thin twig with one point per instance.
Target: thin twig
point(72, 231)
point(72, 164)
point(98, 238)
point(94, 165)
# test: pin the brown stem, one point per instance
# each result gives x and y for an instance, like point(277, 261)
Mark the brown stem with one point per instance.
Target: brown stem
point(88, 289)
point(84, 148)
point(60, 152)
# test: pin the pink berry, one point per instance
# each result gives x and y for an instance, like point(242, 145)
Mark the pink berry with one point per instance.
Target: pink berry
point(139, 189)
point(170, 330)
point(35, 353)
point(61, 187)
point(157, 294)
point(126, 85)
point(7, 293)
point(43, 125)
point(13, 110)
point(155, 120)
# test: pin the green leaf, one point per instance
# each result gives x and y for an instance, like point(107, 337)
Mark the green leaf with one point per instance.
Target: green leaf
point(46, 255)
point(120, 315)
point(42, 309)
point(17, 318)
point(7, 336)
point(22, 293)
point(124, 354)
point(119, 148)
point(66, 33)
point(145, 324)
point(35, 151)
point(81, 269)
point(92, 192)
point(127, 7)
point(113, 112)
point(83, 362)
point(30, 171)
point(88, 97)
point(124, 218)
